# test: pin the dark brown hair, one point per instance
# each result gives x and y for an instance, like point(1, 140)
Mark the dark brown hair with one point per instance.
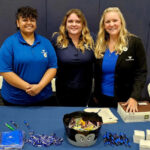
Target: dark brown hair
point(26, 12)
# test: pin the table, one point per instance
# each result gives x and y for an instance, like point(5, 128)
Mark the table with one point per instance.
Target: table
point(48, 120)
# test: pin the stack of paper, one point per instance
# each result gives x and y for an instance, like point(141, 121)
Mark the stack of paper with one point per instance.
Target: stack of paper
point(105, 113)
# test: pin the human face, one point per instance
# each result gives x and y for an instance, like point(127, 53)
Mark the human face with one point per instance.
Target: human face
point(112, 23)
point(26, 25)
point(74, 25)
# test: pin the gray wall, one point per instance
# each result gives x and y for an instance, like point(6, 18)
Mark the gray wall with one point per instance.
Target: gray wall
point(51, 12)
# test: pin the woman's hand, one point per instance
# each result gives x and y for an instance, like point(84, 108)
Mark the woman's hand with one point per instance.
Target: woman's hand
point(33, 89)
point(132, 105)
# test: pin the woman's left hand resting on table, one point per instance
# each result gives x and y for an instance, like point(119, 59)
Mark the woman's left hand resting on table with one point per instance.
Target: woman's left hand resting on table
point(132, 105)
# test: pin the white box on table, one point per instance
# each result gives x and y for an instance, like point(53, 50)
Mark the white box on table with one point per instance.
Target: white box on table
point(138, 135)
point(147, 134)
point(144, 145)
point(142, 115)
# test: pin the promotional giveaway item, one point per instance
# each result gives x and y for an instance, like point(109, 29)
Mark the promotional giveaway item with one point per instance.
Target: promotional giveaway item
point(11, 140)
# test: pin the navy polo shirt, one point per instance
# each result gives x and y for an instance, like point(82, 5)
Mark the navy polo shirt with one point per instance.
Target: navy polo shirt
point(75, 68)
point(108, 72)
point(29, 62)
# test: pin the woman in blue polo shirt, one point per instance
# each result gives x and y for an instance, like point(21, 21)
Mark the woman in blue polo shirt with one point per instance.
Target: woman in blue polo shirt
point(74, 49)
point(27, 63)
point(120, 68)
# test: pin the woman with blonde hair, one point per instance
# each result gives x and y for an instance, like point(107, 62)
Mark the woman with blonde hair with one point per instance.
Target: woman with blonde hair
point(74, 49)
point(120, 68)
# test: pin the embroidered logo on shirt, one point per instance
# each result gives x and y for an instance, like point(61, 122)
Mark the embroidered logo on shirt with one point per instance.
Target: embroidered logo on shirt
point(130, 58)
point(44, 53)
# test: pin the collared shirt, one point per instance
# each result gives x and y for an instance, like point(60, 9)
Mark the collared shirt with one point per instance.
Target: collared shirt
point(75, 68)
point(29, 62)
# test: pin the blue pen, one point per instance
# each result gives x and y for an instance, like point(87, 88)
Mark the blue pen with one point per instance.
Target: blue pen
point(27, 124)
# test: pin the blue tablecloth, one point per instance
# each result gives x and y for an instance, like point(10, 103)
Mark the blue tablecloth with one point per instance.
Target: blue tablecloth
point(48, 120)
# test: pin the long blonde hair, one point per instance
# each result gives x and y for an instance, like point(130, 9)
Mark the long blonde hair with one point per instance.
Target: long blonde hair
point(85, 41)
point(103, 36)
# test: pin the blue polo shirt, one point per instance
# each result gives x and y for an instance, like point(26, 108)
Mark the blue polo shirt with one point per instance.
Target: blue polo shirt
point(29, 62)
point(108, 72)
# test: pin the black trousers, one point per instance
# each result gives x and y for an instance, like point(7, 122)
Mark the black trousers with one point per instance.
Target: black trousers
point(73, 97)
point(104, 101)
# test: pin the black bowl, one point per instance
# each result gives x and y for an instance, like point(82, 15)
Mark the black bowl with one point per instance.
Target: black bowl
point(81, 138)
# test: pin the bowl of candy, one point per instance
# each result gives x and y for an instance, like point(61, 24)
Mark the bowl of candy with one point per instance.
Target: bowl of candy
point(82, 128)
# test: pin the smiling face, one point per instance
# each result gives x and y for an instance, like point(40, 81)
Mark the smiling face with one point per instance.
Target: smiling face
point(112, 23)
point(26, 25)
point(74, 25)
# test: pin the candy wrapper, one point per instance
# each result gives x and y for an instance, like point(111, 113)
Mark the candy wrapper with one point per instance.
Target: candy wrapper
point(83, 125)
